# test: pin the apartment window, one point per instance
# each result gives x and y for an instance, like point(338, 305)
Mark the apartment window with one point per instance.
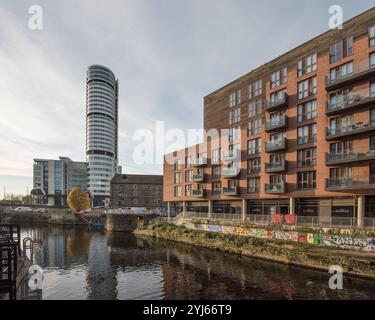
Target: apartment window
point(254, 146)
point(255, 127)
point(176, 165)
point(307, 111)
point(279, 77)
point(256, 89)
point(215, 156)
point(253, 184)
point(340, 123)
point(306, 157)
point(234, 134)
point(255, 108)
point(216, 172)
point(235, 116)
point(277, 178)
point(340, 173)
point(372, 143)
point(177, 191)
point(341, 72)
point(188, 176)
point(371, 36)
point(278, 96)
point(372, 59)
point(341, 97)
point(341, 49)
point(276, 159)
point(343, 147)
point(235, 98)
point(253, 166)
point(307, 88)
point(216, 187)
point(177, 177)
point(306, 180)
point(188, 161)
point(188, 189)
point(307, 134)
point(307, 65)
point(372, 89)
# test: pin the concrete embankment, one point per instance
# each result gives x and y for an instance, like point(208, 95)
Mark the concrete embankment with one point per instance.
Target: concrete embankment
point(354, 263)
point(60, 217)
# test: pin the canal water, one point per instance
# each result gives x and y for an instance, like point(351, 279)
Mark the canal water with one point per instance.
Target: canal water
point(83, 264)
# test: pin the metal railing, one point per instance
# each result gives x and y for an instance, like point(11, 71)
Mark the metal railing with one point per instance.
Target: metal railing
point(198, 162)
point(277, 102)
point(276, 122)
point(276, 167)
point(350, 102)
point(352, 156)
point(276, 145)
point(337, 184)
point(231, 172)
point(275, 188)
point(300, 221)
point(230, 191)
point(350, 129)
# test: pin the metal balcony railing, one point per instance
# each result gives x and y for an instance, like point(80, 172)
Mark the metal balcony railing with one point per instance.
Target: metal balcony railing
point(348, 103)
point(337, 158)
point(277, 123)
point(276, 167)
point(199, 162)
point(277, 145)
point(230, 191)
point(306, 163)
point(272, 105)
point(199, 177)
point(199, 193)
point(231, 172)
point(349, 184)
point(359, 72)
point(275, 188)
point(348, 130)
point(230, 155)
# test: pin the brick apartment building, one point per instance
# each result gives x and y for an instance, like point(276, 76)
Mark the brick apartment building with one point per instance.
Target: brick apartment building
point(307, 135)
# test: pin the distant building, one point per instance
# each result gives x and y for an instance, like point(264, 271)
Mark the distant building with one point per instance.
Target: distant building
point(53, 180)
point(132, 191)
point(101, 131)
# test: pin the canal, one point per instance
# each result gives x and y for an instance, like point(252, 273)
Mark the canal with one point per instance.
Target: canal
point(83, 264)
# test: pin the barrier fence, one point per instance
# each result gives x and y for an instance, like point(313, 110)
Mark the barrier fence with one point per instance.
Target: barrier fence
point(301, 221)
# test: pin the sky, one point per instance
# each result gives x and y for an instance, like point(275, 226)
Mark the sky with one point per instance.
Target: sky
point(167, 55)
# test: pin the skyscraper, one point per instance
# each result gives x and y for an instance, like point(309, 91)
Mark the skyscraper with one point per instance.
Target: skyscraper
point(101, 130)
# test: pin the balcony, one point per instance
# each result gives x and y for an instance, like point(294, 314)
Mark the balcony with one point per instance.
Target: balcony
point(199, 193)
point(349, 184)
point(349, 104)
point(351, 130)
point(230, 192)
point(277, 145)
point(199, 162)
point(276, 167)
point(306, 163)
point(306, 140)
point(200, 177)
point(230, 173)
point(276, 188)
point(274, 105)
point(333, 159)
point(277, 124)
point(231, 155)
point(360, 73)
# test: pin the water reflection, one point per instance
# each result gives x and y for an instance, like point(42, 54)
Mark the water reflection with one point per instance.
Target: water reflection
point(82, 264)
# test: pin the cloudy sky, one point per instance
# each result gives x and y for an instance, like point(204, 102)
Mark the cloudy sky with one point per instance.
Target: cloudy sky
point(167, 55)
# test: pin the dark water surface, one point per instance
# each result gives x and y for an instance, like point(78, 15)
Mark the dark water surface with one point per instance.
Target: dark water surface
point(83, 264)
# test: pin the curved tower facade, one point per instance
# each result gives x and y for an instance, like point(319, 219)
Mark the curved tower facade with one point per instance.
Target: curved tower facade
point(101, 130)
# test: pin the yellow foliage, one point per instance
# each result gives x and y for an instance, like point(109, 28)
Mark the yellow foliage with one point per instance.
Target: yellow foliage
point(78, 200)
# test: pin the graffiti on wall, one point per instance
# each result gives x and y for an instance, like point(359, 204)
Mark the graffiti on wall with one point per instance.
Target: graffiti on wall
point(319, 239)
